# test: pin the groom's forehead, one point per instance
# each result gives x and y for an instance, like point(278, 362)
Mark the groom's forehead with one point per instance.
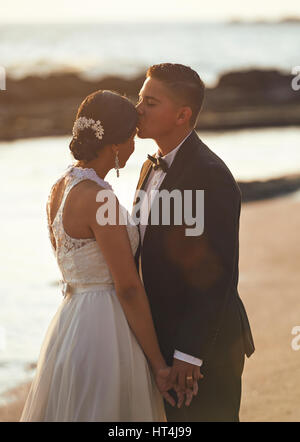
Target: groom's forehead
point(153, 88)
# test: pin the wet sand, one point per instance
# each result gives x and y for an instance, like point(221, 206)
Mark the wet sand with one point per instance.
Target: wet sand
point(269, 286)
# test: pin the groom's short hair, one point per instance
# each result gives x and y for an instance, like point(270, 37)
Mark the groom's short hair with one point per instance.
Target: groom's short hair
point(184, 84)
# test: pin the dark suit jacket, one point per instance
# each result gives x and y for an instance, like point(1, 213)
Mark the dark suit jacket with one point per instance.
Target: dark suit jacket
point(191, 282)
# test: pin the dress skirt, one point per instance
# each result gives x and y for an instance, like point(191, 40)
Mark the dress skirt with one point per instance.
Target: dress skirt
point(91, 367)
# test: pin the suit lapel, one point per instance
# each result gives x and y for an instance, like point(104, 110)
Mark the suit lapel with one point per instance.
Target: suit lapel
point(145, 172)
point(177, 169)
point(144, 175)
point(180, 163)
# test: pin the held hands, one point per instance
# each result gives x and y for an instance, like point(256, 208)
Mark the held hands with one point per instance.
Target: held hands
point(185, 377)
point(162, 379)
point(181, 377)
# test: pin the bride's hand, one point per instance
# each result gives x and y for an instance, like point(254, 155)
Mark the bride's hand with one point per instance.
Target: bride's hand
point(162, 379)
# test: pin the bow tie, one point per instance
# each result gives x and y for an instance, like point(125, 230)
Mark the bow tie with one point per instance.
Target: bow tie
point(158, 163)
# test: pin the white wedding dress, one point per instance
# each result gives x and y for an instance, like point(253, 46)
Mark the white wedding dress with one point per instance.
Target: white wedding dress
point(91, 367)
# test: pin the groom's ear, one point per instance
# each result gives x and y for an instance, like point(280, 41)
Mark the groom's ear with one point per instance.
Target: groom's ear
point(184, 115)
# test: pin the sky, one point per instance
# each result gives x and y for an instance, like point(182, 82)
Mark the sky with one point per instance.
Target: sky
point(37, 11)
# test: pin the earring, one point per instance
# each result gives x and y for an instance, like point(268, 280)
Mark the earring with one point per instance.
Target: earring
point(117, 165)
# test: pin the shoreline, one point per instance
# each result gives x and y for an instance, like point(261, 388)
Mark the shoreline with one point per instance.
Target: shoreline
point(266, 188)
point(269, 285)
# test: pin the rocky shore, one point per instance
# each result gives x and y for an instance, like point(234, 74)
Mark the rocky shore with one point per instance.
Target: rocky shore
point(45, 106)
point(261, 190)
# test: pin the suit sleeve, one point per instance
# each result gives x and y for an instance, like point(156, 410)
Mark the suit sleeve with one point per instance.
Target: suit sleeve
point(207, 264)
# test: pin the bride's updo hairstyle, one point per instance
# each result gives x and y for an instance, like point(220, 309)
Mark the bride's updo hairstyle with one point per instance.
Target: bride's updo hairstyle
point(118, 118)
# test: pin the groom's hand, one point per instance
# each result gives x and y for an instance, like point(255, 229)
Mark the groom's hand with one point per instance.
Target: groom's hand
point(185, 376)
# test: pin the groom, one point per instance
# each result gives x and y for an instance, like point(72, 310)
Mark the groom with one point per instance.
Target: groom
point(191, 281)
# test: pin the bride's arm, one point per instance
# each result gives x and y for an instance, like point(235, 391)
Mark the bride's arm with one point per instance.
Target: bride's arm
point(114, 243)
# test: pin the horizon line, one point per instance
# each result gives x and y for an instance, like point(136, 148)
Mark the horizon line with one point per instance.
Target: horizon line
point(191, 20)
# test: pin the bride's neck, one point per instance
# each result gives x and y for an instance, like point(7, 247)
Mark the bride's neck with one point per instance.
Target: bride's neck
point(101, 165)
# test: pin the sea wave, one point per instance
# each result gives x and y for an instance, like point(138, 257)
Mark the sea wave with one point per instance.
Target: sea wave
point(95, 50)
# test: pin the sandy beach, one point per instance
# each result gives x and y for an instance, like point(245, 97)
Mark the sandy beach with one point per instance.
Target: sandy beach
point(269, 286)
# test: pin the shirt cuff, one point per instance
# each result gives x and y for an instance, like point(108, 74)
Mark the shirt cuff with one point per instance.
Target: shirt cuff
point(187, 358)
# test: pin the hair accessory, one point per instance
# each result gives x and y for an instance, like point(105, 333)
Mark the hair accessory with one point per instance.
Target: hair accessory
point(84, 123)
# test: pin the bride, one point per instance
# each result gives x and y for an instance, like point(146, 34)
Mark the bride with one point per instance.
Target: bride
point(92, 365)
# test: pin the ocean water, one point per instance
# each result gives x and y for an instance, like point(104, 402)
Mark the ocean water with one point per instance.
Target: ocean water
point(29, 292)
point(95, 50)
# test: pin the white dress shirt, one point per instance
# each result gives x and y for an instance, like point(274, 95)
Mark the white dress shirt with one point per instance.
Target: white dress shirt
point(154, 181)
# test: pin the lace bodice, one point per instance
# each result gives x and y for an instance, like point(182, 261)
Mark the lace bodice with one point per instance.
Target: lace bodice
point(80, 260)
